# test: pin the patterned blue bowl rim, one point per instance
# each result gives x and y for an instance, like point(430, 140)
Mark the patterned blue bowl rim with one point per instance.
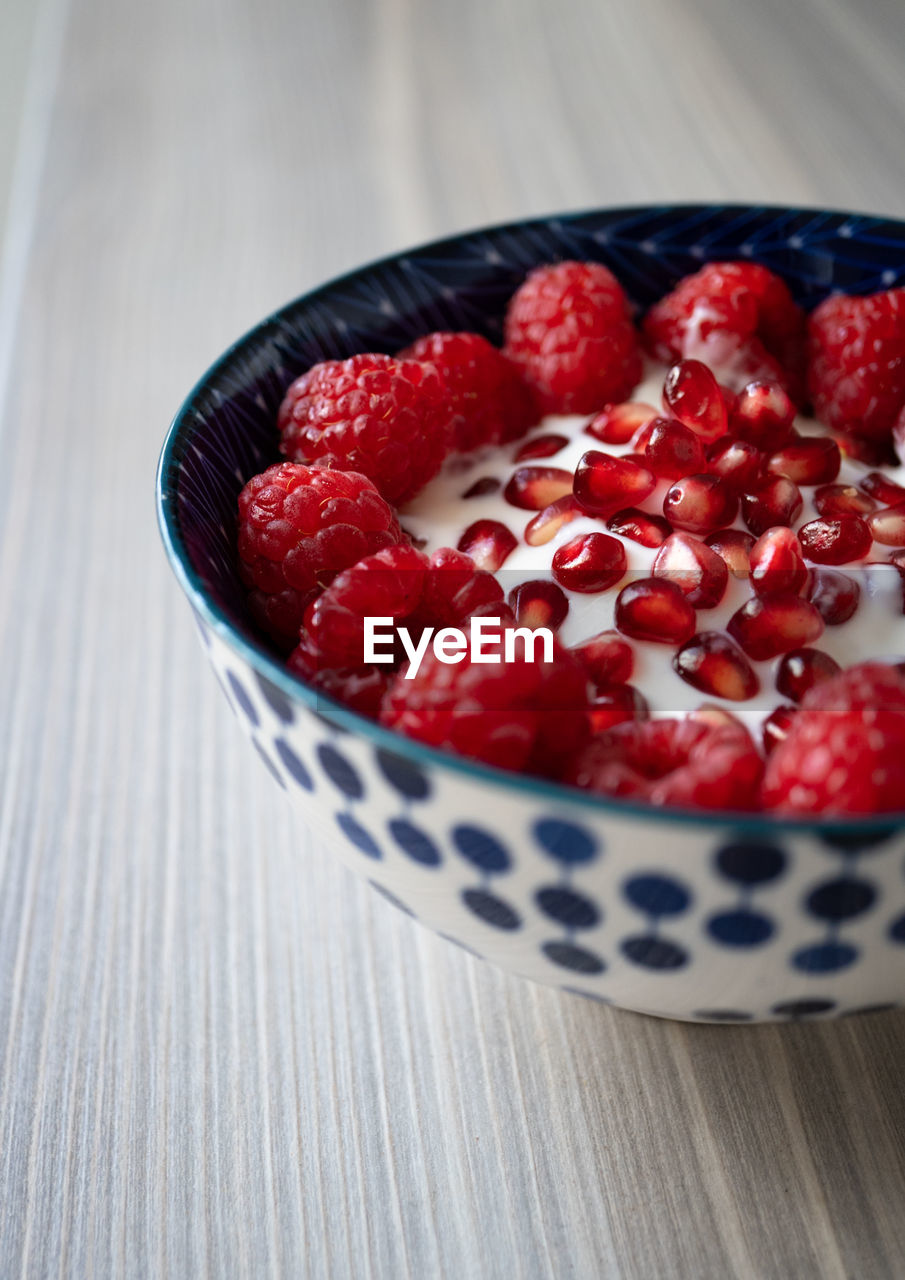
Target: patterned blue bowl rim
point(262, 661)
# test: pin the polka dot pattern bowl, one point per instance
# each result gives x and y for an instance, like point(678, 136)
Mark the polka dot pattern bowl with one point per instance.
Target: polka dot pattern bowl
point(705, 918)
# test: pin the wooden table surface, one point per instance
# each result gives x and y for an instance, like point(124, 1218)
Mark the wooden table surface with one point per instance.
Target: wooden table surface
point(220, 1054)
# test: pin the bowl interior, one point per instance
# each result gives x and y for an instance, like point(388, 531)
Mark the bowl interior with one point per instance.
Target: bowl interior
point(225, 432)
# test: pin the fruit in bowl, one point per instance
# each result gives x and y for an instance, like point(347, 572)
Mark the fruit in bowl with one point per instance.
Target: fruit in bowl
point(660, 532)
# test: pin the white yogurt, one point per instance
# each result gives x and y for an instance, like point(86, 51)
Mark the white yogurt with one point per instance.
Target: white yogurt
point(439, 515)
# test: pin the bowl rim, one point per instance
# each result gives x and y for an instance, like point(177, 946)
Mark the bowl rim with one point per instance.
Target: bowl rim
point(255, 654)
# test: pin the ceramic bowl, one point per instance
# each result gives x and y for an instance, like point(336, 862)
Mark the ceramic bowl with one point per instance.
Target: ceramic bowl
point(704, 917)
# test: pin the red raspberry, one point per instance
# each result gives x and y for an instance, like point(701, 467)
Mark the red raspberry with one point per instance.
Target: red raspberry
point(521, 715)
point(568, 328)
point(398, 583)
point(490, 402)
point(689, 762)
point(738, 318)
point(844, 751)
point(298, 527)
point(361, 689)
point(856, 369)
point(389, 419)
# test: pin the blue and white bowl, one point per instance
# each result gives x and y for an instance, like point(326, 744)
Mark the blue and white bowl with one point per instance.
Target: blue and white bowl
point(705, 917)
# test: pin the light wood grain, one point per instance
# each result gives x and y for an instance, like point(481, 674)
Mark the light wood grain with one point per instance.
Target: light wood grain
point(219, 1053)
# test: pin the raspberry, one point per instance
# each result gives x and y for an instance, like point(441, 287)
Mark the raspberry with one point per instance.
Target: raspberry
point(738, 318)
point(361, 689)
point(856, 365)
point(688, 762)
point(298, 527)
point(568, 329)
point(490, 403)
point(390, 419)
point(521, 715)
point(398, 583)
point(844, 751)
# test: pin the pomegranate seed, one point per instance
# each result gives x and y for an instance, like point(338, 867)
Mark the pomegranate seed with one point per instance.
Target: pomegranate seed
point(888, 526)
point(835, 596)
point(486, 484)
point(717, 717)
point(541, 447)
point(736, 462)
point(640, 441)
point(700, 503)
point(672, 450)
point(833, 500)
point(873, 453)
point(533, 488)
point(775, 501)
point(734, 545)
point(654, 609)
point(619, 422)
point(547, 523)
point(807, 460)
point(763, 415)
point(769, 625)
point(693, 395)
point(488, 543)
point(777, 563)
point(607, 658)
point(603, 484)
point(800, 669)
point(776, 726)
point(699, 572)
point(898, 559)
point(713, 663)
point(539, 603)
point(615, 704)
point(639, 526)
point(836, 541)
point(589, 563)
point(886, 491)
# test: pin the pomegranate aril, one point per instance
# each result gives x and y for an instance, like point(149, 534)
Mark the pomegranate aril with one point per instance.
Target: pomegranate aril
point(734, 546)
point(480, 488)
point(692, 394)
point(767, 626)
point(835, 541)
point(615, 704)
point(533, 488)
point(713, 663)
point(737, 463)
point(807, 460)
point(775, 501)
point(603, 483)
point(608, 658)
point(776, 726)
point(619, 422)
point(777, 563)
point(698, 570)
point(539, 603)
point(832, 500)
point(873, 453)
point(672, 451)
point(800, 669)
point(589, 563)
point(541, 447)
point(547, 523)
point(700, 504)
point(488, 543)
point(654, 609)
point(763, 415)
point(888, 526)
point(834, 595)
point(884, 490)
point(639, 526)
